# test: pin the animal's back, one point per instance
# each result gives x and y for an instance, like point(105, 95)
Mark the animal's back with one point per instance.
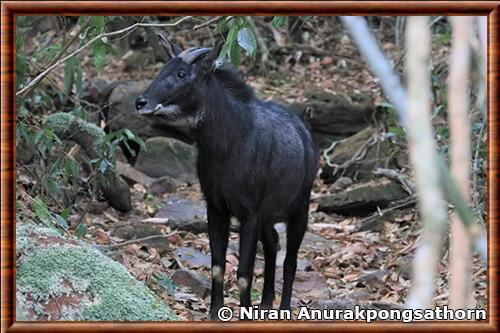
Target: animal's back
point(278, 160)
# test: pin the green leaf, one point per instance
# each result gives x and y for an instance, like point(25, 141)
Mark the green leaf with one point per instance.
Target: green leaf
point(51, 184)
point(164, 281)
point(235, 54)
point(278, 21)
point(139, 141)
point(71, 168)
point(42, 211)
point(69, 75)
point(79, 79)
point(247, 40)
point(61, 221)
point(65, 213)
point(222, 55)
point(233, 33)
point(221, 24)
point(99, 53)
point(397, 131)
point(81, 230)
point(21, 68)
point(38, 137)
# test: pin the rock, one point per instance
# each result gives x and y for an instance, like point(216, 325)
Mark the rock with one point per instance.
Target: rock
point(360, 157)
point(184, 214)
point(122, 114)
point(165, 184)
point(192, 257)
point(341, 184)
point(168, 157)
point(372, 280)
point(406, 268)
point(94, 207)
point(361, 198)
point(25, 151)
point(61, 278)
point(97, 91)
point(137, 230)
point(333, 117)
point(302, 264)
point(141, 230)
point(198, 283)
point(307, 286)
point(315, 242)
point(138, 59)
point(129, 172)
point(95, 94)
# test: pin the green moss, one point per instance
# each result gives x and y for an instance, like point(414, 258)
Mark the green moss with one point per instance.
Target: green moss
point(107, 291)
point(61, 121)
point(23, 232)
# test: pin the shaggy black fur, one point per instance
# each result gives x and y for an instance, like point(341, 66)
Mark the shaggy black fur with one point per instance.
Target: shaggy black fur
point(256, 161)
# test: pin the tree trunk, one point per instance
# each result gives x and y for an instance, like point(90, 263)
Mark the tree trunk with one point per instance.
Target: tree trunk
point(424, 158)
point(458, 104)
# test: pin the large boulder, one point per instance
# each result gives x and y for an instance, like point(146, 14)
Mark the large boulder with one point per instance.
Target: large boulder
point(183, 214)
point(362, 198)
point(168, 157)
point(61, 278)
point(333, 117)
point(359, 155)
point(122, 114)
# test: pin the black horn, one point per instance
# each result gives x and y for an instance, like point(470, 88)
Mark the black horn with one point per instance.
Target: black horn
point(191, 55)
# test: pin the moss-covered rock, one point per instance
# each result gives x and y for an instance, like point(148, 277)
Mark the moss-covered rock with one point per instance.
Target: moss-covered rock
point(60, 278)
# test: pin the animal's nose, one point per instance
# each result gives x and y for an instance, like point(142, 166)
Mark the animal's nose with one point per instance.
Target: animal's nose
point(140, 102)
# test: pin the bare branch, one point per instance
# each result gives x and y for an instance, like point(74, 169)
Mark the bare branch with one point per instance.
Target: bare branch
point(207, 23)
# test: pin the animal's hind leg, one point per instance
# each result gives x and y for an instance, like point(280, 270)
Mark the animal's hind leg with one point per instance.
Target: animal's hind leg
point(269, 238)
point(249, 233)
point(297, 225)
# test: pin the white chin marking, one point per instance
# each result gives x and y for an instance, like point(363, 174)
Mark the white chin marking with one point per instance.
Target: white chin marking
point(166, 110)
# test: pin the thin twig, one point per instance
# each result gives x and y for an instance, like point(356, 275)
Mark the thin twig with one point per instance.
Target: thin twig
point(405, 181)
point(40, 76)
point(207, 23)
point(76, 35)
point(408, 201)
point(136, 240)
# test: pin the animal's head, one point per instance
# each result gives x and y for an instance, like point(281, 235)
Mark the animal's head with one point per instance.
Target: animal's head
point(171, 95)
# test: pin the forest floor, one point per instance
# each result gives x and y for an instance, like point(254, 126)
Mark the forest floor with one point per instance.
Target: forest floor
point(337, 261)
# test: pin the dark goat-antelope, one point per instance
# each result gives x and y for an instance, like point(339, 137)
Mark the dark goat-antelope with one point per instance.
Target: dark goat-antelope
point(256, 161)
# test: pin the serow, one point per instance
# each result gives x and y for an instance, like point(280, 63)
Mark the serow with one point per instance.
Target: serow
point(256, 162)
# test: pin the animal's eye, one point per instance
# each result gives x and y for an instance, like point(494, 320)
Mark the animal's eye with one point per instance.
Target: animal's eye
point(181, 75)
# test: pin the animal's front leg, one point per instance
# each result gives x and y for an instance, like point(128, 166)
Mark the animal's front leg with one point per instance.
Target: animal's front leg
point(218, 233)
point(249, 233)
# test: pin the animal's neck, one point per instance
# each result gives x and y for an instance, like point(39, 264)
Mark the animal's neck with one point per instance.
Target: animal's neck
point(225, 121)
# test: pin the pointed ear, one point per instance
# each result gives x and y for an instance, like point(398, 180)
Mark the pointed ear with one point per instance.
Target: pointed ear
point(170, 48)
point(212, 56)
